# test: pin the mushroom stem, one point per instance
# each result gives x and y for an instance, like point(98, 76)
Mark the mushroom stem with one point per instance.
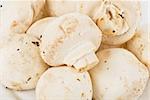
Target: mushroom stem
point(89, 59)
point(82, 52)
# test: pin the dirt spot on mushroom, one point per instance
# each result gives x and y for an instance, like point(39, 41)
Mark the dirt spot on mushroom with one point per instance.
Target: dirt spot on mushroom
point(82, 94)
point(36, 43)
point(78, 79)
point(18, 49)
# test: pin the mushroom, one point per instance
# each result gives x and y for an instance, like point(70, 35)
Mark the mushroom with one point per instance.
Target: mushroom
point(117, 19)
point(38, 27)
point(119, 75)
point(140, 44)
point(64, 83)
point(17, 16)
point(21, 63)
point(72, 40)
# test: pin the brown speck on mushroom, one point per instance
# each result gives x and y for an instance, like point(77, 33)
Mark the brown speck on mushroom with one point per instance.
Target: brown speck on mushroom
point(78, 79)
point(1, 6)
point(113, 31)
point(107, 68)
point(6, 87)
point(102, 19)
point(110, 14)
point(93, 98)
point(141, 45)
point(37, 74)
point(18, 49)
point(29, 79)
point(82, 94)
point(105, 61)
point(43, 52)
point(36, 43)
point(90, 90)
point(121, 16)
point(40, 36)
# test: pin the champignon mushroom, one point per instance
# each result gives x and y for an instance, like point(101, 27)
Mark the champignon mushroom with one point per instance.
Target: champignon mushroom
point(117, 19)
point(21, 63)
point(39, 26)
point(64, 83)
point(119, 75)
point(140, 44)
point(71, 39)
point(17, 16)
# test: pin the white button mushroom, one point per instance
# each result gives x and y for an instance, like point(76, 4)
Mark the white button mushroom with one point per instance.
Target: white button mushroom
point(116, 18)
point(71, 39)
point(64, 83)
point(21, 63)
point(17, 16)
point(140, 45)
point(39, 26)
point(118, 76)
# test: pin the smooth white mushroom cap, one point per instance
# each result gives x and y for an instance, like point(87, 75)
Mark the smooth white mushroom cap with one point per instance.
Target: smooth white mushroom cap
point(119, 75)
point(64, 83)
point(21, 63)
point(71, 39)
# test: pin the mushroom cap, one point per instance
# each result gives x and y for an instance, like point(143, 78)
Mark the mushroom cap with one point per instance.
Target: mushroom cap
point(118, 20)
point(119, 75)
point(37, 28)
point(140, 44)
point(23, 15)
point(21, 63)
point(64, 83)
point(66, 41)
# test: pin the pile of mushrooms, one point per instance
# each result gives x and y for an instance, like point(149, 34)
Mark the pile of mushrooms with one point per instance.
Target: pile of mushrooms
point(73, 50)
